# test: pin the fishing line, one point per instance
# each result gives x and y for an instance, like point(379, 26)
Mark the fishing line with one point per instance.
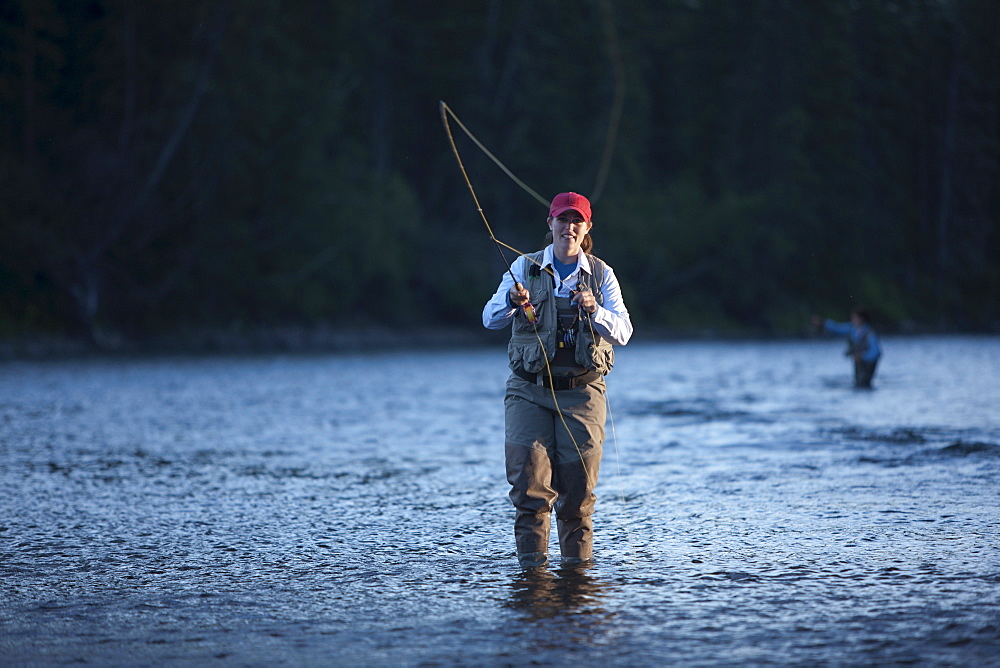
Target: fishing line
point(529, 309)
point(618, 105)
point(621, 485)
point(618, 464)
point(445, 112)
point(532, 318)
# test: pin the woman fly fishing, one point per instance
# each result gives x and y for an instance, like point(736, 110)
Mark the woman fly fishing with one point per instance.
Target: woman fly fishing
point(555, 408)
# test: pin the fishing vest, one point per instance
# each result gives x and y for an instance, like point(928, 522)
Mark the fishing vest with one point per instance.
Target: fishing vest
point(533, 344)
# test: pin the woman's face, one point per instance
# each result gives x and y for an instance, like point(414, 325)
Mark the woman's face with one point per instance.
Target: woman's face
point(568, 230)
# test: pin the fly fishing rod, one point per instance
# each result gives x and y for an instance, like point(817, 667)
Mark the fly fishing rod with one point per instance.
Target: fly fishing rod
point(528, 307)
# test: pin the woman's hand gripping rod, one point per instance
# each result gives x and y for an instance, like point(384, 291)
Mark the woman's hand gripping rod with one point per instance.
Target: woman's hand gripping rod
point(521, 298)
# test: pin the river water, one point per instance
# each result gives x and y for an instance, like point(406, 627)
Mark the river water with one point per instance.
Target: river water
point(351, 510)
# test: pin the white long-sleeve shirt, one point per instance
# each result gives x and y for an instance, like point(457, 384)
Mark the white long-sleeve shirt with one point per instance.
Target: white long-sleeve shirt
point(611, 318)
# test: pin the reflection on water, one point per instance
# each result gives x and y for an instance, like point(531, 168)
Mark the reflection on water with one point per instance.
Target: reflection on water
point(569, 600)
point(353, 510)
point(542, 594)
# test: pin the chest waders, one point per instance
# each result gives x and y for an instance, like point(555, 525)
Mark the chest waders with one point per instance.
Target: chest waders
point(554, 428)
point(864, 370)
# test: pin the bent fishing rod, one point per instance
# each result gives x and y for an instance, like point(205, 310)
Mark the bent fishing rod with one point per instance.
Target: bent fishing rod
point(528, 307)
point(529, 310)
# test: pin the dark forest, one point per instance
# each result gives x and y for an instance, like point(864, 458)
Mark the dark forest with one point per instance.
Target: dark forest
point(205, 166)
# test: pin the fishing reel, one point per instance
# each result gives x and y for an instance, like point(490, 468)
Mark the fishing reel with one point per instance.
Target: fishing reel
point(529, 313)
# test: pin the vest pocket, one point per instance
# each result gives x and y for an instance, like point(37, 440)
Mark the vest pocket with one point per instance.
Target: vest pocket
point(604, 359)
point(526, 355)
point(597, 355)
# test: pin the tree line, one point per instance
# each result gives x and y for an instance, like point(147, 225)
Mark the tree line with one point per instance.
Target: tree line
point(209, 163)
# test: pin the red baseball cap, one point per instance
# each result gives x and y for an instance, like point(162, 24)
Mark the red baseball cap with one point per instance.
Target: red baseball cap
point(566, 201)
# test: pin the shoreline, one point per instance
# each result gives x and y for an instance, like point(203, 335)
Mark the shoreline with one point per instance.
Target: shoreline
point(332, 340)
point(259, 341)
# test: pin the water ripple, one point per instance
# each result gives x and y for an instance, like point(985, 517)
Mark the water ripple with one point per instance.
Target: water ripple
point(316, 511)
